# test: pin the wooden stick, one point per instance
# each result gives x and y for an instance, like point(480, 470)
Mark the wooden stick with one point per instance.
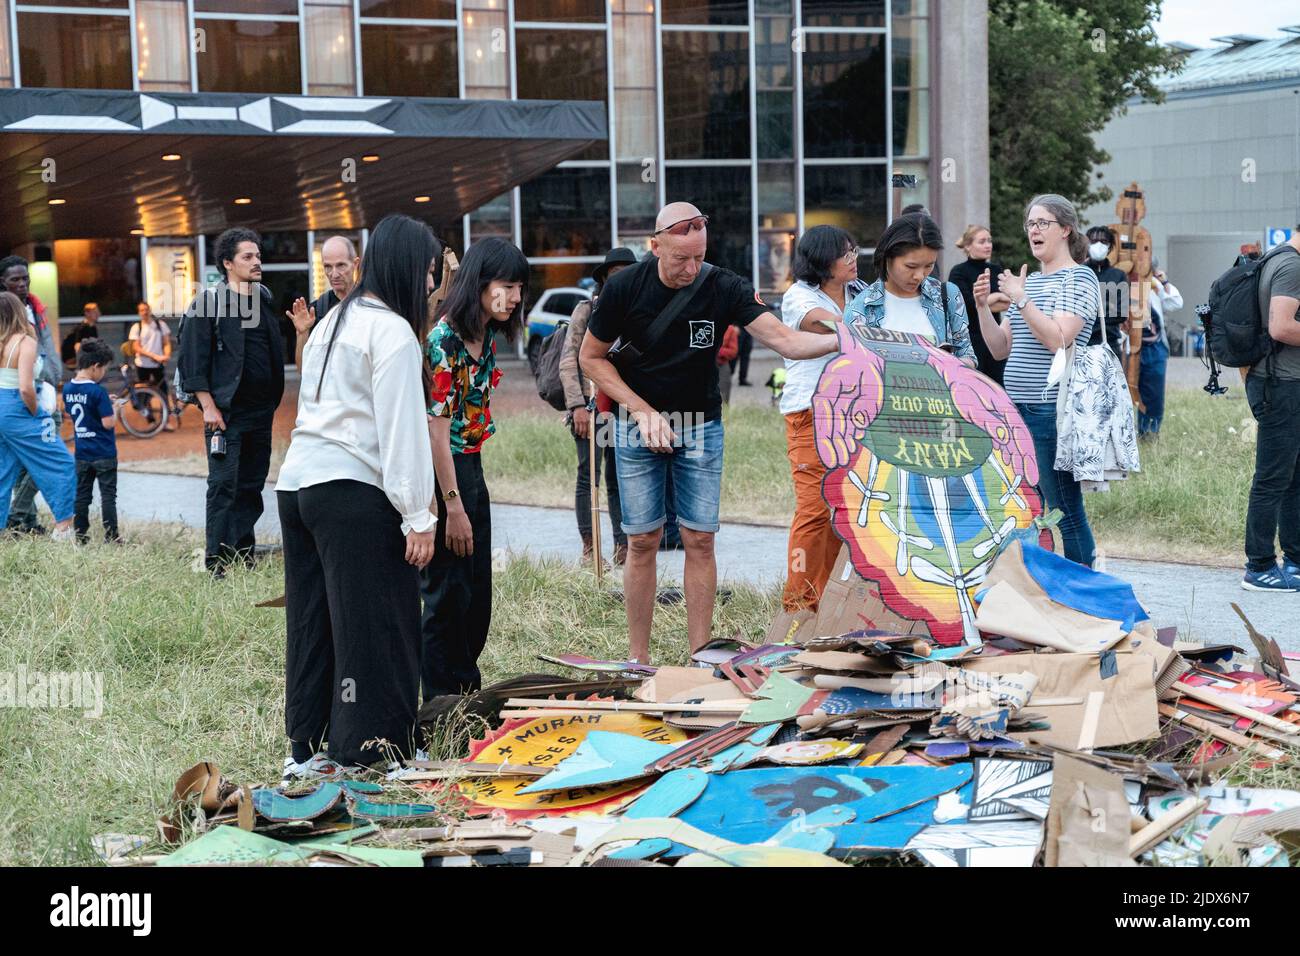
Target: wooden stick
point(1220, 733)
point(1163, 825)
point(592, 452)
point(1222, 702)
point(630, 706)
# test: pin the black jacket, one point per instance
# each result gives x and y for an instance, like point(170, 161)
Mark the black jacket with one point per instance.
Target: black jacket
point(212, 344)
point(1112, 281)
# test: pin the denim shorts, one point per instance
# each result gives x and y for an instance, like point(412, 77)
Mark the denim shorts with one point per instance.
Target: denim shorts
point(696, 468)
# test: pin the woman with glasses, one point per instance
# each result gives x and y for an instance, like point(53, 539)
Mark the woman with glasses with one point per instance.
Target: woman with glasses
point(826, 279)
point(1050, 309)
point(906, 297)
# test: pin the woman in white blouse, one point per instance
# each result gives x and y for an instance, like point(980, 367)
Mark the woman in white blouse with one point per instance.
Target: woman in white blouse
point(355, 492)
point(826, 277)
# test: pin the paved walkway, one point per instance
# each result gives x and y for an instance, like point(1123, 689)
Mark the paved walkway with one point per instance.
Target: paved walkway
point(1193, 598)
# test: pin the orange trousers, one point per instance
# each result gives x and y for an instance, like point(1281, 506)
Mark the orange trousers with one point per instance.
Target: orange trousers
point(813, 544)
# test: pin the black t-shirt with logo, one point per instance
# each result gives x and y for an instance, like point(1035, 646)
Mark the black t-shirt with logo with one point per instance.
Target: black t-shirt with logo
point(679, 372)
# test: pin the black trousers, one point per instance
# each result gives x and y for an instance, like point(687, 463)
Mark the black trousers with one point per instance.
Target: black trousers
point(582, 490)
point(457, 592)
point(88, 472)
point(235, 484)
point(352, 609)
point(1274, 508)
point(744, 350)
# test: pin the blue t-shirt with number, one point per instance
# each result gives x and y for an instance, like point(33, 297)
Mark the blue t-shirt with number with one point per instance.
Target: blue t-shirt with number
point(88, 405)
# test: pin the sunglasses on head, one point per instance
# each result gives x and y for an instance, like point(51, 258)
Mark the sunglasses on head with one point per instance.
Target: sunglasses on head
point(685, 227)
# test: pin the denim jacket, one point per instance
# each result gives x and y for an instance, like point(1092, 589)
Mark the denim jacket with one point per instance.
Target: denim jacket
point(869, 309)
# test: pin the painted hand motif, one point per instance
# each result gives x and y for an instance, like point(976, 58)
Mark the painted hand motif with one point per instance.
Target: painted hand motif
point(847, 400)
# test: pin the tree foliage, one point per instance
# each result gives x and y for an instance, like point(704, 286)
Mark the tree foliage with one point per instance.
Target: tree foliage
point(1058, 72)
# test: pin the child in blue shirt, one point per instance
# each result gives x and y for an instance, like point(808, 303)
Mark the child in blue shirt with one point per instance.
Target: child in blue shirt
point(95, 425)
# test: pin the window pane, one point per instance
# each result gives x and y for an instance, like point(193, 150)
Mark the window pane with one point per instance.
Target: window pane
point(101, 4)
point(566, 213)
point(493, 218)
point(844, 13)
point(248, 56)
point(638, 202)
point(563, 65)
point(911, 8)
point(163, 44)
point(554, 276)
point(851, 197)
point(486, 52)
point(277, 247)
point(706, 96)
point(411, 9)
point(776, 226)
point(6, 60)
point(705, 11)
point(844, 95)
point(103, 271)
point(911, 123)
point(911, 52)
point(409, 61)
point(284, 7)
point(775, 125)
point(75, 51)
point(722, 194)
point(920, 193)
point(561, 11)
point(331, 67)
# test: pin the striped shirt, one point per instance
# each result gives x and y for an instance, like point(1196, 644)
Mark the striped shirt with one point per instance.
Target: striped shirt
point(1074, 290)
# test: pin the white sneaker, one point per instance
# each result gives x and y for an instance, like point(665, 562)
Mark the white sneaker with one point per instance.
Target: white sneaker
point(398, 772)
point(63, 535)
point(319, 767)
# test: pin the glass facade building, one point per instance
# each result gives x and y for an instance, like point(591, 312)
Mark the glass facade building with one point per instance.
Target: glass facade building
point(770, 115)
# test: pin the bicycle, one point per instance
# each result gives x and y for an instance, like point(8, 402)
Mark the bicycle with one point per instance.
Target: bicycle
point(143, 410)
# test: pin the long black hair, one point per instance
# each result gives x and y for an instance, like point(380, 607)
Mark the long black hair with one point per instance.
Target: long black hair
point(904, 234)
point(818, 250)
point(489, 260)
point(394, 269)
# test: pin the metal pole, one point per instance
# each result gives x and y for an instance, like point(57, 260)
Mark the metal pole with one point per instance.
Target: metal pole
point(592, 451)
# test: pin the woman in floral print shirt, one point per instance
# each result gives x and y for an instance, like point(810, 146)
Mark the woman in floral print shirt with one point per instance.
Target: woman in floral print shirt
point(485, 303)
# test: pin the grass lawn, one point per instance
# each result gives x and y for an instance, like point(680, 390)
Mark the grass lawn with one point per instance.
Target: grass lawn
point(1188, 504)
point(191, 670)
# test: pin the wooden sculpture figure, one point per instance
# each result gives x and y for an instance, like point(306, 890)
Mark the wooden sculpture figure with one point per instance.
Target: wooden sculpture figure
point(1133, 257)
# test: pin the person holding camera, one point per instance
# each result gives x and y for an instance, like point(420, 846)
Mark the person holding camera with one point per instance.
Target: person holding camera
point(232, 362)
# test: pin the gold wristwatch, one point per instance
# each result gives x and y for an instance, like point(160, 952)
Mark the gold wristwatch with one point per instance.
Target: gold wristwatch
point(451, 494)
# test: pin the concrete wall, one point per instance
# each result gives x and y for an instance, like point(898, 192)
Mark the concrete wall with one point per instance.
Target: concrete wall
point(961, 130)
point(1187, 154)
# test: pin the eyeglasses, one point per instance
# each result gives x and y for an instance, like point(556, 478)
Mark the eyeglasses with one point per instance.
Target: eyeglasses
point(850, 255)
point(1040, 224)
point(685, 227)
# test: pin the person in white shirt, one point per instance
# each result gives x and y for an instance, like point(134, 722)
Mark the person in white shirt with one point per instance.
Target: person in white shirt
point(355, 496)
point(1153, 359)
point(826, 279)
point(153, 348)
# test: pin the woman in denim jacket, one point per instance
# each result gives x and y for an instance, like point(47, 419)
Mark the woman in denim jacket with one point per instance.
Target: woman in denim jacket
point(906, 298)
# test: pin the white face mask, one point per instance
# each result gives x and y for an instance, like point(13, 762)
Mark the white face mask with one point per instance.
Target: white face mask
point(1098, 251)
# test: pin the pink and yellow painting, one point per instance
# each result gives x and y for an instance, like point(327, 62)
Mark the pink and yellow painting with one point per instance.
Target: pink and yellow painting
point(930, 472)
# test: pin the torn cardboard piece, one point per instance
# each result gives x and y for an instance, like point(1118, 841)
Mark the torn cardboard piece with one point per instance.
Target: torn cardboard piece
point(1088, 817)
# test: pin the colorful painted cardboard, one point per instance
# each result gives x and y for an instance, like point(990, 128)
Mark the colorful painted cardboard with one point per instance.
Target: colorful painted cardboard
point(890, 804)
point(930, 471)
point(544, 742)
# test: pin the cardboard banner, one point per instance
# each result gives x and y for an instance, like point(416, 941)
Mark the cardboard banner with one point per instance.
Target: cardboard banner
point(930, 472)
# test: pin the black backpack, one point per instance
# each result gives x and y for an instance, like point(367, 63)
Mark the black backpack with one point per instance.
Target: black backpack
point(549, 386)
point(1236, 332)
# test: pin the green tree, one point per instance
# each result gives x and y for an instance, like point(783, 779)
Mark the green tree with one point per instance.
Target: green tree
point(1058, 72)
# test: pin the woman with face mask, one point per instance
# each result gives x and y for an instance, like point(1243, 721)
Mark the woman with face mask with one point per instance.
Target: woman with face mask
point(1049, 309)
point(977, 243)
point(906, 298)
point(1114, 287)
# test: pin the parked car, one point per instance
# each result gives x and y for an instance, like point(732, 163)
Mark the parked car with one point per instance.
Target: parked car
point(553, 307)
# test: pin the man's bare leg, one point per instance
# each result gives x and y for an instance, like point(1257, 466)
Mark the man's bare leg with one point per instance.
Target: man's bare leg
point(640, 579)
point(701, 580)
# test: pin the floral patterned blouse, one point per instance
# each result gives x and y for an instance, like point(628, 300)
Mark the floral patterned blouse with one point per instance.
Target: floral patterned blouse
point(462, 387)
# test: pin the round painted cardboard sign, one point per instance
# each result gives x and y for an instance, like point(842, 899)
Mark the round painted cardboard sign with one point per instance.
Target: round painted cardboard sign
point(544, 742)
